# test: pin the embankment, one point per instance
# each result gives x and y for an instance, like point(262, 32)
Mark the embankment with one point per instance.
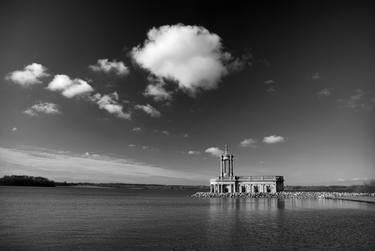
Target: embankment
point(361, 197)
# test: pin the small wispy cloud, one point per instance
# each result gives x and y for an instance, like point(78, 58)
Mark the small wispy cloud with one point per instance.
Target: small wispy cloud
point(355, 179)
point(249, 142)
point(269, 82)
point(359, 101)
point(214, 151)
point(110, 103)
point(30, 75)
point(153, 112)
point(156, 90)
point(192, 152)
point(325, 92)
point(316, 76)
point(137, 129)
point(270, 86)
point(273, 139)
point(14, 129)
point(42, 108)
point(106, 66)
point(165, 132)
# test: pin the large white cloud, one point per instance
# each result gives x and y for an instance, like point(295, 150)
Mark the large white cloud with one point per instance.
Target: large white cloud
point(46, 108)
point(153, 112)
point(273, 139)
point(189, 55)
point(30, 75)
point(69, 87)
point(106, 66)
point(215, 151)
point(111, 104)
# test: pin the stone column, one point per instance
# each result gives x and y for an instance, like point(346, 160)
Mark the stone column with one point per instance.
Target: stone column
point(225, 166)
point(231, 165)
point(222, 167)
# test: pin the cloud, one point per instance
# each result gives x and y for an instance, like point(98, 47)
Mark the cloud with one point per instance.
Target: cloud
point(69, 87)
point(106, 66)
point(157, 91)
point(14, 129)
point(136, 129)
point(239, 63)
point(316, 76)
point(269, 82)
point(165, 132)
point(191, 56)
point(149, 110)
point(248, 142)
point(192, 152)
point(214, 151)
point(110, 104)
point(273, 139)
point(46, 108)
point(60, 166)
point(185, 135)
point(270, 85)
point(359, 101)
point(353, 179)
point(30, 75)
point(325, 92)
point(131, 145)
point(271, 90)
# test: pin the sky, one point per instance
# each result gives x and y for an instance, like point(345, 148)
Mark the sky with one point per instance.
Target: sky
point(139, 92)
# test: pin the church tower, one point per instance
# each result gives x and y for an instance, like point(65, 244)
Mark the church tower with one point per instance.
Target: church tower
point(226, 170)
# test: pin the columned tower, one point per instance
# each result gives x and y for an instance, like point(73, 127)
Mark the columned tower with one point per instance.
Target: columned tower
point(226, 170)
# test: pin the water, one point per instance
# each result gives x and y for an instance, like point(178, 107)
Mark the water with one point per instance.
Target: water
point(66, 218)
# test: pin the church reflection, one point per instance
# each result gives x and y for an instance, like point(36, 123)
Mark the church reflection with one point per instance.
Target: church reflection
point(229, 217)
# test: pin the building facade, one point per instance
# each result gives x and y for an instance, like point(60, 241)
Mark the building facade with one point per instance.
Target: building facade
point(228, 183)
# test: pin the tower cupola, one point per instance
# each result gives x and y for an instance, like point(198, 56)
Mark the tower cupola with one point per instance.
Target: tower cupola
point(226, 168)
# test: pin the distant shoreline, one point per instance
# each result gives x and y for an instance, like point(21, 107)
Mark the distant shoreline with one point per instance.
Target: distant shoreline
point(24, 180)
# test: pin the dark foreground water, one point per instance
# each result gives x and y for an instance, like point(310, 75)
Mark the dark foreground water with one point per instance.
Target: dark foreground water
point(66, 218)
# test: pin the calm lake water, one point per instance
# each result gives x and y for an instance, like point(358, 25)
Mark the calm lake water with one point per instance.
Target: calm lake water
point(66, 218)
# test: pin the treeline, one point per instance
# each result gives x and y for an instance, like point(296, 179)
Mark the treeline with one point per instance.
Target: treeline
point(135, 186)
point(23, 180)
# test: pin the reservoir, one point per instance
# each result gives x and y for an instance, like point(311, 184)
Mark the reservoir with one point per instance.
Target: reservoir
point(73, 218)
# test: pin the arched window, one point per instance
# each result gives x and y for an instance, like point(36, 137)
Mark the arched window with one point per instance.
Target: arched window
point(256, 189)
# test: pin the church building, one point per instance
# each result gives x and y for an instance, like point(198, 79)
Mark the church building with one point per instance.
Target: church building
point(228, 183)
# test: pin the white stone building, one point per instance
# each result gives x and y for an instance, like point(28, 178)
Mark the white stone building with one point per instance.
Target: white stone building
point(228, 183)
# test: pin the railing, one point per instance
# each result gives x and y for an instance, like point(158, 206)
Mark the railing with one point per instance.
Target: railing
point(251, 178)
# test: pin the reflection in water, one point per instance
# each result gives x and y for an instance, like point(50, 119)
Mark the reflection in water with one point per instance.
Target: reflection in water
point(252, 223)
point(233, 223)
point(118, 219)
point(280, 204)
